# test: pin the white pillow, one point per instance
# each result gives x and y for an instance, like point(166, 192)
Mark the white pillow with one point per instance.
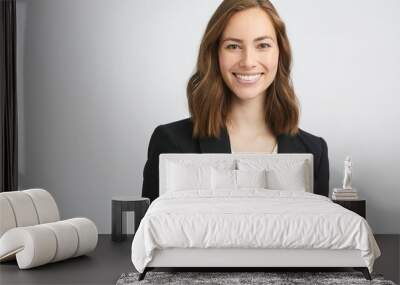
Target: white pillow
point(236, 179)
point(282, 174)
point(187, 177)
point(223, 179)
point(293, 179)
point(251, 178)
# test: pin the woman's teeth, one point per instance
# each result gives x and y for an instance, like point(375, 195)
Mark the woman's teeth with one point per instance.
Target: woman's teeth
point(246, 78)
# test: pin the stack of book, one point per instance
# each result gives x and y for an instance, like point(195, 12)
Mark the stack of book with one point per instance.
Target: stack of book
point(344, 194)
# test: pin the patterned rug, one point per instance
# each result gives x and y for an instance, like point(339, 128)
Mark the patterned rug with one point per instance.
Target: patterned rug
point(243, 278)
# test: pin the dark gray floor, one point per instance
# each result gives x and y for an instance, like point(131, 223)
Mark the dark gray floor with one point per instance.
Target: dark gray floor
point(110, 259)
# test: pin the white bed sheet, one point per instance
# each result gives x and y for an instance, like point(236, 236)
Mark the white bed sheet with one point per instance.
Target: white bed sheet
point(250, 218)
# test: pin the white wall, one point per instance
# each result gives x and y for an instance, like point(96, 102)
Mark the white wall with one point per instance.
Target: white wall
point(96, 77)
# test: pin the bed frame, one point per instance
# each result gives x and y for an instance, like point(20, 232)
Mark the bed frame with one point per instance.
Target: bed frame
point(240, 259)
point(250, 258)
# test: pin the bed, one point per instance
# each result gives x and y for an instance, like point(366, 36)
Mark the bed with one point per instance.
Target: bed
point(247, 210)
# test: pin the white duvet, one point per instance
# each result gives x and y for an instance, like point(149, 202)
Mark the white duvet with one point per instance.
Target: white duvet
point(250, 218)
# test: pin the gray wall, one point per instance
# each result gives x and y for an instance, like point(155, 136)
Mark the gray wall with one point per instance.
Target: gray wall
point(96, 77)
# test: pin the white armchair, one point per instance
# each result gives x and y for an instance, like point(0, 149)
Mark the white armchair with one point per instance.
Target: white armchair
point(31, 230)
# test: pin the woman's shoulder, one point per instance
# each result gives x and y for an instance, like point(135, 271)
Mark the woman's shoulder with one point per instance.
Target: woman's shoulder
point(312, 141)
point(309, 136)
point(177, 129)
point(176, 135)
point(183, 125)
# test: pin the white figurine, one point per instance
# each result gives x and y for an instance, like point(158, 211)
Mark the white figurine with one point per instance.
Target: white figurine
point(347, 173)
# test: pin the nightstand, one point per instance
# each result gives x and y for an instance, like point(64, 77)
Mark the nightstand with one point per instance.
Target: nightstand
point(357, 206)
point(122, 204)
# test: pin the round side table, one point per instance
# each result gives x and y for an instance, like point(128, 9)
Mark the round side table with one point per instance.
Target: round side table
point(121, 204)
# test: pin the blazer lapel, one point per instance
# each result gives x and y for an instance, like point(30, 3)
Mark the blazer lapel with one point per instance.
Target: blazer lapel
point(216, 145)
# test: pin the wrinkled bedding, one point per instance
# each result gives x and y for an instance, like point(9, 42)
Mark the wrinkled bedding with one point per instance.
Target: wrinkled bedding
point(250, 218)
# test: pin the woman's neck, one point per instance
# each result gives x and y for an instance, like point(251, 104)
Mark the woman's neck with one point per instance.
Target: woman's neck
point(248, 117)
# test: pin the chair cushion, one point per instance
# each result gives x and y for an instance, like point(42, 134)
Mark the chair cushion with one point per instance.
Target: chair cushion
point(45, 205)
point(40, 244)
point(23, 208)
point(7, 215)
point(26, 208)
point(67, 237)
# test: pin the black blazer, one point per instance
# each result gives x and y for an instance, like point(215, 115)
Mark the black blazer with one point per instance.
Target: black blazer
point(176, 137)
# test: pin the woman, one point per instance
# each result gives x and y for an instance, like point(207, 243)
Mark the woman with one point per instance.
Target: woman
point(240, 97)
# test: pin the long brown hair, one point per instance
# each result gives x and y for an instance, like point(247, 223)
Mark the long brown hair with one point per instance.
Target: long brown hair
point(209, 98)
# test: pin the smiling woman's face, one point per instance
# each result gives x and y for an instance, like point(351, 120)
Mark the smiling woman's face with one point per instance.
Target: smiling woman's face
point(249, 53)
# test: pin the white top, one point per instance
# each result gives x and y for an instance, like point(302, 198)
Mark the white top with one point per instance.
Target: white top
point(274, 151)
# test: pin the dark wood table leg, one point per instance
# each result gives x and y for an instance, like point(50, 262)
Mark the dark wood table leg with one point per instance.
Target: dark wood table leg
point(116, 217)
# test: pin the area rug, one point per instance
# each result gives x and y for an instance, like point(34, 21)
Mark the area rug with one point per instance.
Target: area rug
point(243, 278)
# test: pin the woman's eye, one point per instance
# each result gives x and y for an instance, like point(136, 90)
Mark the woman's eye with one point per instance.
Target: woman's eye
point(265, 45)
point(232, 46)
